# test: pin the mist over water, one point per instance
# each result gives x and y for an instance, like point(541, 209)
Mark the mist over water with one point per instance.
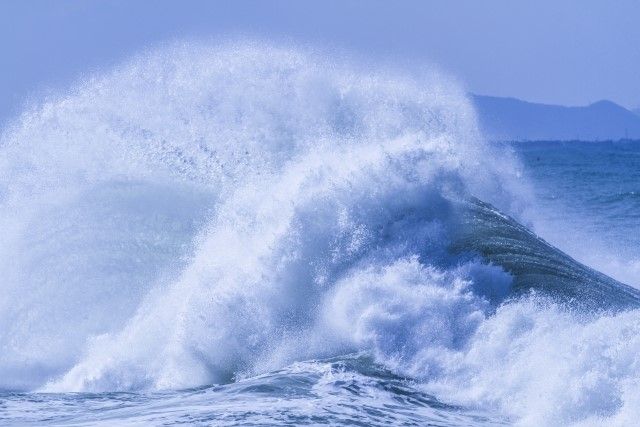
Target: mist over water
point(221, 214)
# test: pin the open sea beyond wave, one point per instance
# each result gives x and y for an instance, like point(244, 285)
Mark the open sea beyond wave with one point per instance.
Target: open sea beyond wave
point(247, 234)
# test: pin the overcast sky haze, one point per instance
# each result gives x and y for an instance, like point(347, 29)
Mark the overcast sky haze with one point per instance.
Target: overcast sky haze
point(567, 52)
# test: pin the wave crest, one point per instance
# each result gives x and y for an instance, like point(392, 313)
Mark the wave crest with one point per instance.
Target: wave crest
point(206, 213)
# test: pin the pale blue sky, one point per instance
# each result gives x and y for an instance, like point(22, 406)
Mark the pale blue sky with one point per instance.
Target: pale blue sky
point(555, 51)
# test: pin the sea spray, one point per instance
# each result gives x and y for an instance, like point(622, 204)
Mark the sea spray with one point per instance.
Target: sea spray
point(214, 194)
point(208, 214)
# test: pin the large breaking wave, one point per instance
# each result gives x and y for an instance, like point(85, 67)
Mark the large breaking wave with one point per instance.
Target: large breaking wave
point(204, 214)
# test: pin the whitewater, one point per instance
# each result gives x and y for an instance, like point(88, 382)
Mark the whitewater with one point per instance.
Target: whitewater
point(248, 234)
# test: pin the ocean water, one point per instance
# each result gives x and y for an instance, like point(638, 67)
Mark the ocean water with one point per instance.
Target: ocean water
point(594, 189)
point(249, 234)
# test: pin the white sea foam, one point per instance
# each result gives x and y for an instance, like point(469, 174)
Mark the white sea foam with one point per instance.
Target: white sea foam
point(203, 214)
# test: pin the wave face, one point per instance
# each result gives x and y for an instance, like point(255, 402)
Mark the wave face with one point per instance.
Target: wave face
point(206, 214)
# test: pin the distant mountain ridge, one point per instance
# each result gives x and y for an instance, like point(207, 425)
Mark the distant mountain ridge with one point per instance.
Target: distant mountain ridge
point(510, 119)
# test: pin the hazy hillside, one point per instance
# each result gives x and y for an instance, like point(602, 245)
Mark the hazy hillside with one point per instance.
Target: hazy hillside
point(513, 119)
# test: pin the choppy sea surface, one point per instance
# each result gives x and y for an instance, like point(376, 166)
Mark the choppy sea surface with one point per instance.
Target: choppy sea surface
point(593, 188)
point(249, 234)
